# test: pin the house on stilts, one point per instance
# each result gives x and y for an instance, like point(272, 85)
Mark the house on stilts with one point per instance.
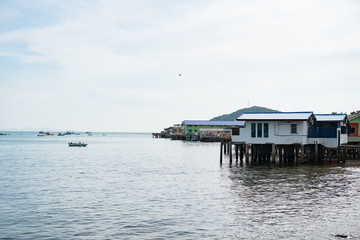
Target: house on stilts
point(354, 135)
point(290, 136)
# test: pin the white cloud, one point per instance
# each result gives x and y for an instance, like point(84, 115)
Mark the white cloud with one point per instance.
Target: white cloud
point(128, 54)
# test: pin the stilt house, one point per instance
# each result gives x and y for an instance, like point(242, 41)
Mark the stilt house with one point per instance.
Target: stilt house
point(287, 128)
point(354, 134)
point(191, 127)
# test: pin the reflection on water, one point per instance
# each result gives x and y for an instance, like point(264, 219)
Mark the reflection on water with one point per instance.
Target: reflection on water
point(308, 201)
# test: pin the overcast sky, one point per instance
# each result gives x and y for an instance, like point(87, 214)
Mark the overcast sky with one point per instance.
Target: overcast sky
point(114, 65)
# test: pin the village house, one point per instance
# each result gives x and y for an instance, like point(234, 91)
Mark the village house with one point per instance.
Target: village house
point(329, 130)
point(354, 135)
point(203, 127)
point(289, 136)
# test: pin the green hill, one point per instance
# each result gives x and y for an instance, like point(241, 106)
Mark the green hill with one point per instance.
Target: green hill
point(233, 116)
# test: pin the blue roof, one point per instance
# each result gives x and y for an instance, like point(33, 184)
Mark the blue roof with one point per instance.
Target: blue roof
point(275, 116)
point(213, 123)
point(330, 117)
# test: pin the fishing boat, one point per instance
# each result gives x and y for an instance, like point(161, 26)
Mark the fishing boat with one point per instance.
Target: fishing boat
point(77, 144)
point(41, 134)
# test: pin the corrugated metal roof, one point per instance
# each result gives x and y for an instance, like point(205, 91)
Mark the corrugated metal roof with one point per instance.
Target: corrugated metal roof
point(330, 117)
point(351, 117)
point(276, 116)
point(213, 123)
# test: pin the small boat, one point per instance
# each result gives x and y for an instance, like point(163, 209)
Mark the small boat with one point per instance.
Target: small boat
point(77, 144)
point(42, 134)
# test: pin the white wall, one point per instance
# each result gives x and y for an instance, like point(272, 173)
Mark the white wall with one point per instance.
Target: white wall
point(279, 133)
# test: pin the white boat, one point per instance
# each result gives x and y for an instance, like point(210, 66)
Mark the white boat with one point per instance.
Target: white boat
point(77, 144)
point(41, 134)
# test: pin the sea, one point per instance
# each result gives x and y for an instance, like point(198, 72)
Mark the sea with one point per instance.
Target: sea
point(133, 186)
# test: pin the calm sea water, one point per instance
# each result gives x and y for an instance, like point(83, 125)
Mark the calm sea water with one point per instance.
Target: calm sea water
point(131, 186)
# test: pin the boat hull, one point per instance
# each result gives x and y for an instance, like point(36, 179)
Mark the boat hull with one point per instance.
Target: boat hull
point(71, 144)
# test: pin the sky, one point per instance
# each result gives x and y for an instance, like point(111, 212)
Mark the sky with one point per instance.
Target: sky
point(114, 65)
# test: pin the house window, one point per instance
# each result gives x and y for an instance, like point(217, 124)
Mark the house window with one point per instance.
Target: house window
point(293, 128)
point(259, 130)
point(253, 130)
point(236, 131)
point(266, 130)
point(352, 131)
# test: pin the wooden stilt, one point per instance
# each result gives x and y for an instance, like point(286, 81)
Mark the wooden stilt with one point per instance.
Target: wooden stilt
point(230, 152)
point(302, 153)
point(316, 152)
point(237, 152)
point(221, 152)
point(247, 152)
point(273, 152)
point(241, 152)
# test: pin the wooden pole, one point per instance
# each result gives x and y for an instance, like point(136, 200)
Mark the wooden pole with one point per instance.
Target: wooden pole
point(247, 152)
point(237, 152)
point(273, 152)
point(230, 152)
point(302, 154)
point(221, 152)
point(241, 152)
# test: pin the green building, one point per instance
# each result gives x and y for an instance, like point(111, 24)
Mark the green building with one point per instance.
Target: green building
point(191, 127)
point(354, 135)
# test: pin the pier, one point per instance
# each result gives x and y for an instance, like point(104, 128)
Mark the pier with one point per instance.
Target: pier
point(282, 153)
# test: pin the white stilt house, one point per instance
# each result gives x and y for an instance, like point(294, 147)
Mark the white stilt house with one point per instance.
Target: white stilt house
point(329, 130)
point(278, 128)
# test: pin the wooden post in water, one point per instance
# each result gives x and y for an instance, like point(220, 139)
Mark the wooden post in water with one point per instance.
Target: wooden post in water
point(221, 152)
point(247, 152)
point(252, 152)
point(346, 155)
point(302, 154)
point(273, 152)
point(230, 152)
point(241, 152)
point(316, 152)
point(237, 152)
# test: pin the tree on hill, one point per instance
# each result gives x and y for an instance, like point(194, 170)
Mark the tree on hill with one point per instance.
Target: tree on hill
point(234, 115)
